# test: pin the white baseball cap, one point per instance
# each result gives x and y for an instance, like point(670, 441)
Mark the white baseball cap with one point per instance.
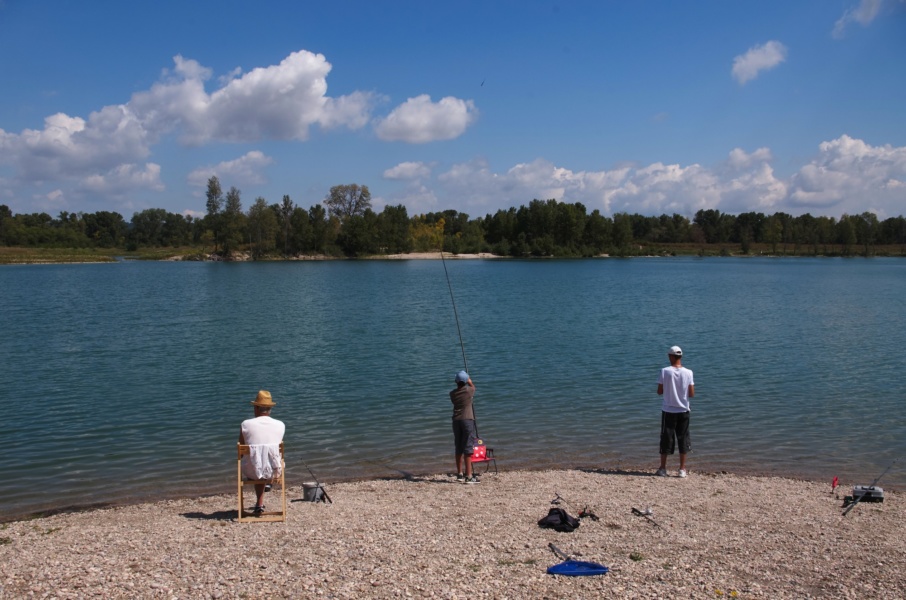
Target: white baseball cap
point(675, 351)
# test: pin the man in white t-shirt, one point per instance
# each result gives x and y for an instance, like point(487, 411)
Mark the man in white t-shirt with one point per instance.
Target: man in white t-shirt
point(262, 431)
point(676, 384)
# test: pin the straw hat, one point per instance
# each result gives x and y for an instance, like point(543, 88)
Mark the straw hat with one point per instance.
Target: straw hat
point(263, 399)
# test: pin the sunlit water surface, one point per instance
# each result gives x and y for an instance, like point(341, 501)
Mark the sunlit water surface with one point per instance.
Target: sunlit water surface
point(128, 381)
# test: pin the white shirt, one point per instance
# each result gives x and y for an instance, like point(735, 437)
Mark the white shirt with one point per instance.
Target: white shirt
point(262, 430)
point(676, 382)
point(263, 436)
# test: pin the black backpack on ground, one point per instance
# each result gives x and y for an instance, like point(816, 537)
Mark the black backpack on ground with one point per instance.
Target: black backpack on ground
point(559, 520)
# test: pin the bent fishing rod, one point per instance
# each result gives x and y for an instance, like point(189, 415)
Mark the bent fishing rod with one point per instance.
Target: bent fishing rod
point(462, 346)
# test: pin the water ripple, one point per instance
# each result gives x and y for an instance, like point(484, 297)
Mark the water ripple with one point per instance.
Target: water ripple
point(141, 372)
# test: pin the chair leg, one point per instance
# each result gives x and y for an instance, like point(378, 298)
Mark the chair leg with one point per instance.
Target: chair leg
point(241, 503)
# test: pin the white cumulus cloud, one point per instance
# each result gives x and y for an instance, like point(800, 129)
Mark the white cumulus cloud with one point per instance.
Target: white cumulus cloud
point(245, 170)
point(122, 179)
point(103, 154)
point(280, 102)
point(758, 58)
point(845, 176)
point(848, 170)
point(419, 120)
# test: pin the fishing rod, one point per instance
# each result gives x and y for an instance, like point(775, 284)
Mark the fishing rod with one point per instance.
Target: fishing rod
point(873, 483)
point(647, 514)
point(462, 346)
point(317, 481)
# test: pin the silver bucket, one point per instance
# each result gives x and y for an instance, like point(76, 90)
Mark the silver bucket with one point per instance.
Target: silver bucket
point(312, 491)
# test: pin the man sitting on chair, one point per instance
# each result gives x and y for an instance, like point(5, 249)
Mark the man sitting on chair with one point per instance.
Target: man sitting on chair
point(264, 435)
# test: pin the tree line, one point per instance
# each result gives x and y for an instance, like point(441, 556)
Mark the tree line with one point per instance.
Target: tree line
point(344, 224)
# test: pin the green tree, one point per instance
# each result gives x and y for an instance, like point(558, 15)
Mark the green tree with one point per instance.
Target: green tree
point(262, 228)
point(214, 206)
point(866, 226)
point(892, 231)
point(6, 224)
point(358, 234)
point(716, 226)
point(846, 234)
point(393, 230)
point(622, 231)
point(826, 228)
point(348, 200)
point(323, 232)
point(748, 229)
point(177, 230)
point(300, 231)
point(569, 226)
point(286, 216)
point(500, 231)
point(105, 229)
point(233, 222)
point(147, 228)
point(772, 232)
point(598, 232)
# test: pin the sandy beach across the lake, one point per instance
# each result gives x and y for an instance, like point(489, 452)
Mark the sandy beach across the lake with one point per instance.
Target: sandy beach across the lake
point(716, 536)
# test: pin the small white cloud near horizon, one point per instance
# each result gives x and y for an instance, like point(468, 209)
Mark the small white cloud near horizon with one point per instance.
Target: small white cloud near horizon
point(408, 171)
point(245, 170)
point(863, 14)
point(418, 120)
point(748, 66)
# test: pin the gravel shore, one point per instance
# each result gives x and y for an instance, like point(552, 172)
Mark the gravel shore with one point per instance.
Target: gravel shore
point(717, 536)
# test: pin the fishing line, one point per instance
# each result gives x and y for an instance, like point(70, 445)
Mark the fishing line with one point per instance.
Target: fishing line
point(462, 346)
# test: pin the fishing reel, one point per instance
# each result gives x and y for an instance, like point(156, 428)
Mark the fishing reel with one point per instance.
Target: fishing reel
point(587, 512)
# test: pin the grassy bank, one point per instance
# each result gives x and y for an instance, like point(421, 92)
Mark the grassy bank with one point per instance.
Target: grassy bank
point(15, 255)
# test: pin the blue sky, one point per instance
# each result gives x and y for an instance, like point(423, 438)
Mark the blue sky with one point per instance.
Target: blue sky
point(646, 107)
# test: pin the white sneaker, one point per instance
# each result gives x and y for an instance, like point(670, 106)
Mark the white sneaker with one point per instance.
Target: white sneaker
point(661, 472)
point(682, 473)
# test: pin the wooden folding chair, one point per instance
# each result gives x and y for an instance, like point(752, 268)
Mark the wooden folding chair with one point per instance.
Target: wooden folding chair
point(268, 515)
point(483, 454)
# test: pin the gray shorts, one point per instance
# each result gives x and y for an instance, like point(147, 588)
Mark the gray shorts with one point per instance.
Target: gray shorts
point(464, 436)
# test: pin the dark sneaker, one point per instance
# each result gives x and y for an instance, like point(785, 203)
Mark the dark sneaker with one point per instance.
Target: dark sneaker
point(258, 510)
point(472, 479)
point(460, 476)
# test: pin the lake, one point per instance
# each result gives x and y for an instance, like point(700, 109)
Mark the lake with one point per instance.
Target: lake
point(128, 381)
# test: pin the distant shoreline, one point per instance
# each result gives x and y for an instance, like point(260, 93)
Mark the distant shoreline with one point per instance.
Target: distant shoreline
point(410, 256)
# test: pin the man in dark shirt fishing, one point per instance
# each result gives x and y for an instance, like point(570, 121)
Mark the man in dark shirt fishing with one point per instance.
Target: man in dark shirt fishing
point(464, 435)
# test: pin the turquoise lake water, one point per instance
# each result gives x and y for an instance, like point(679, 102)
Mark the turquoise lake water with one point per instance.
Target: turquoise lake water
point(128, 381)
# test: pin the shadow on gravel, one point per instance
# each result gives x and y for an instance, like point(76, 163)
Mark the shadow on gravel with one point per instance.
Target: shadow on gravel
point(626, 472)
point(220, 515)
